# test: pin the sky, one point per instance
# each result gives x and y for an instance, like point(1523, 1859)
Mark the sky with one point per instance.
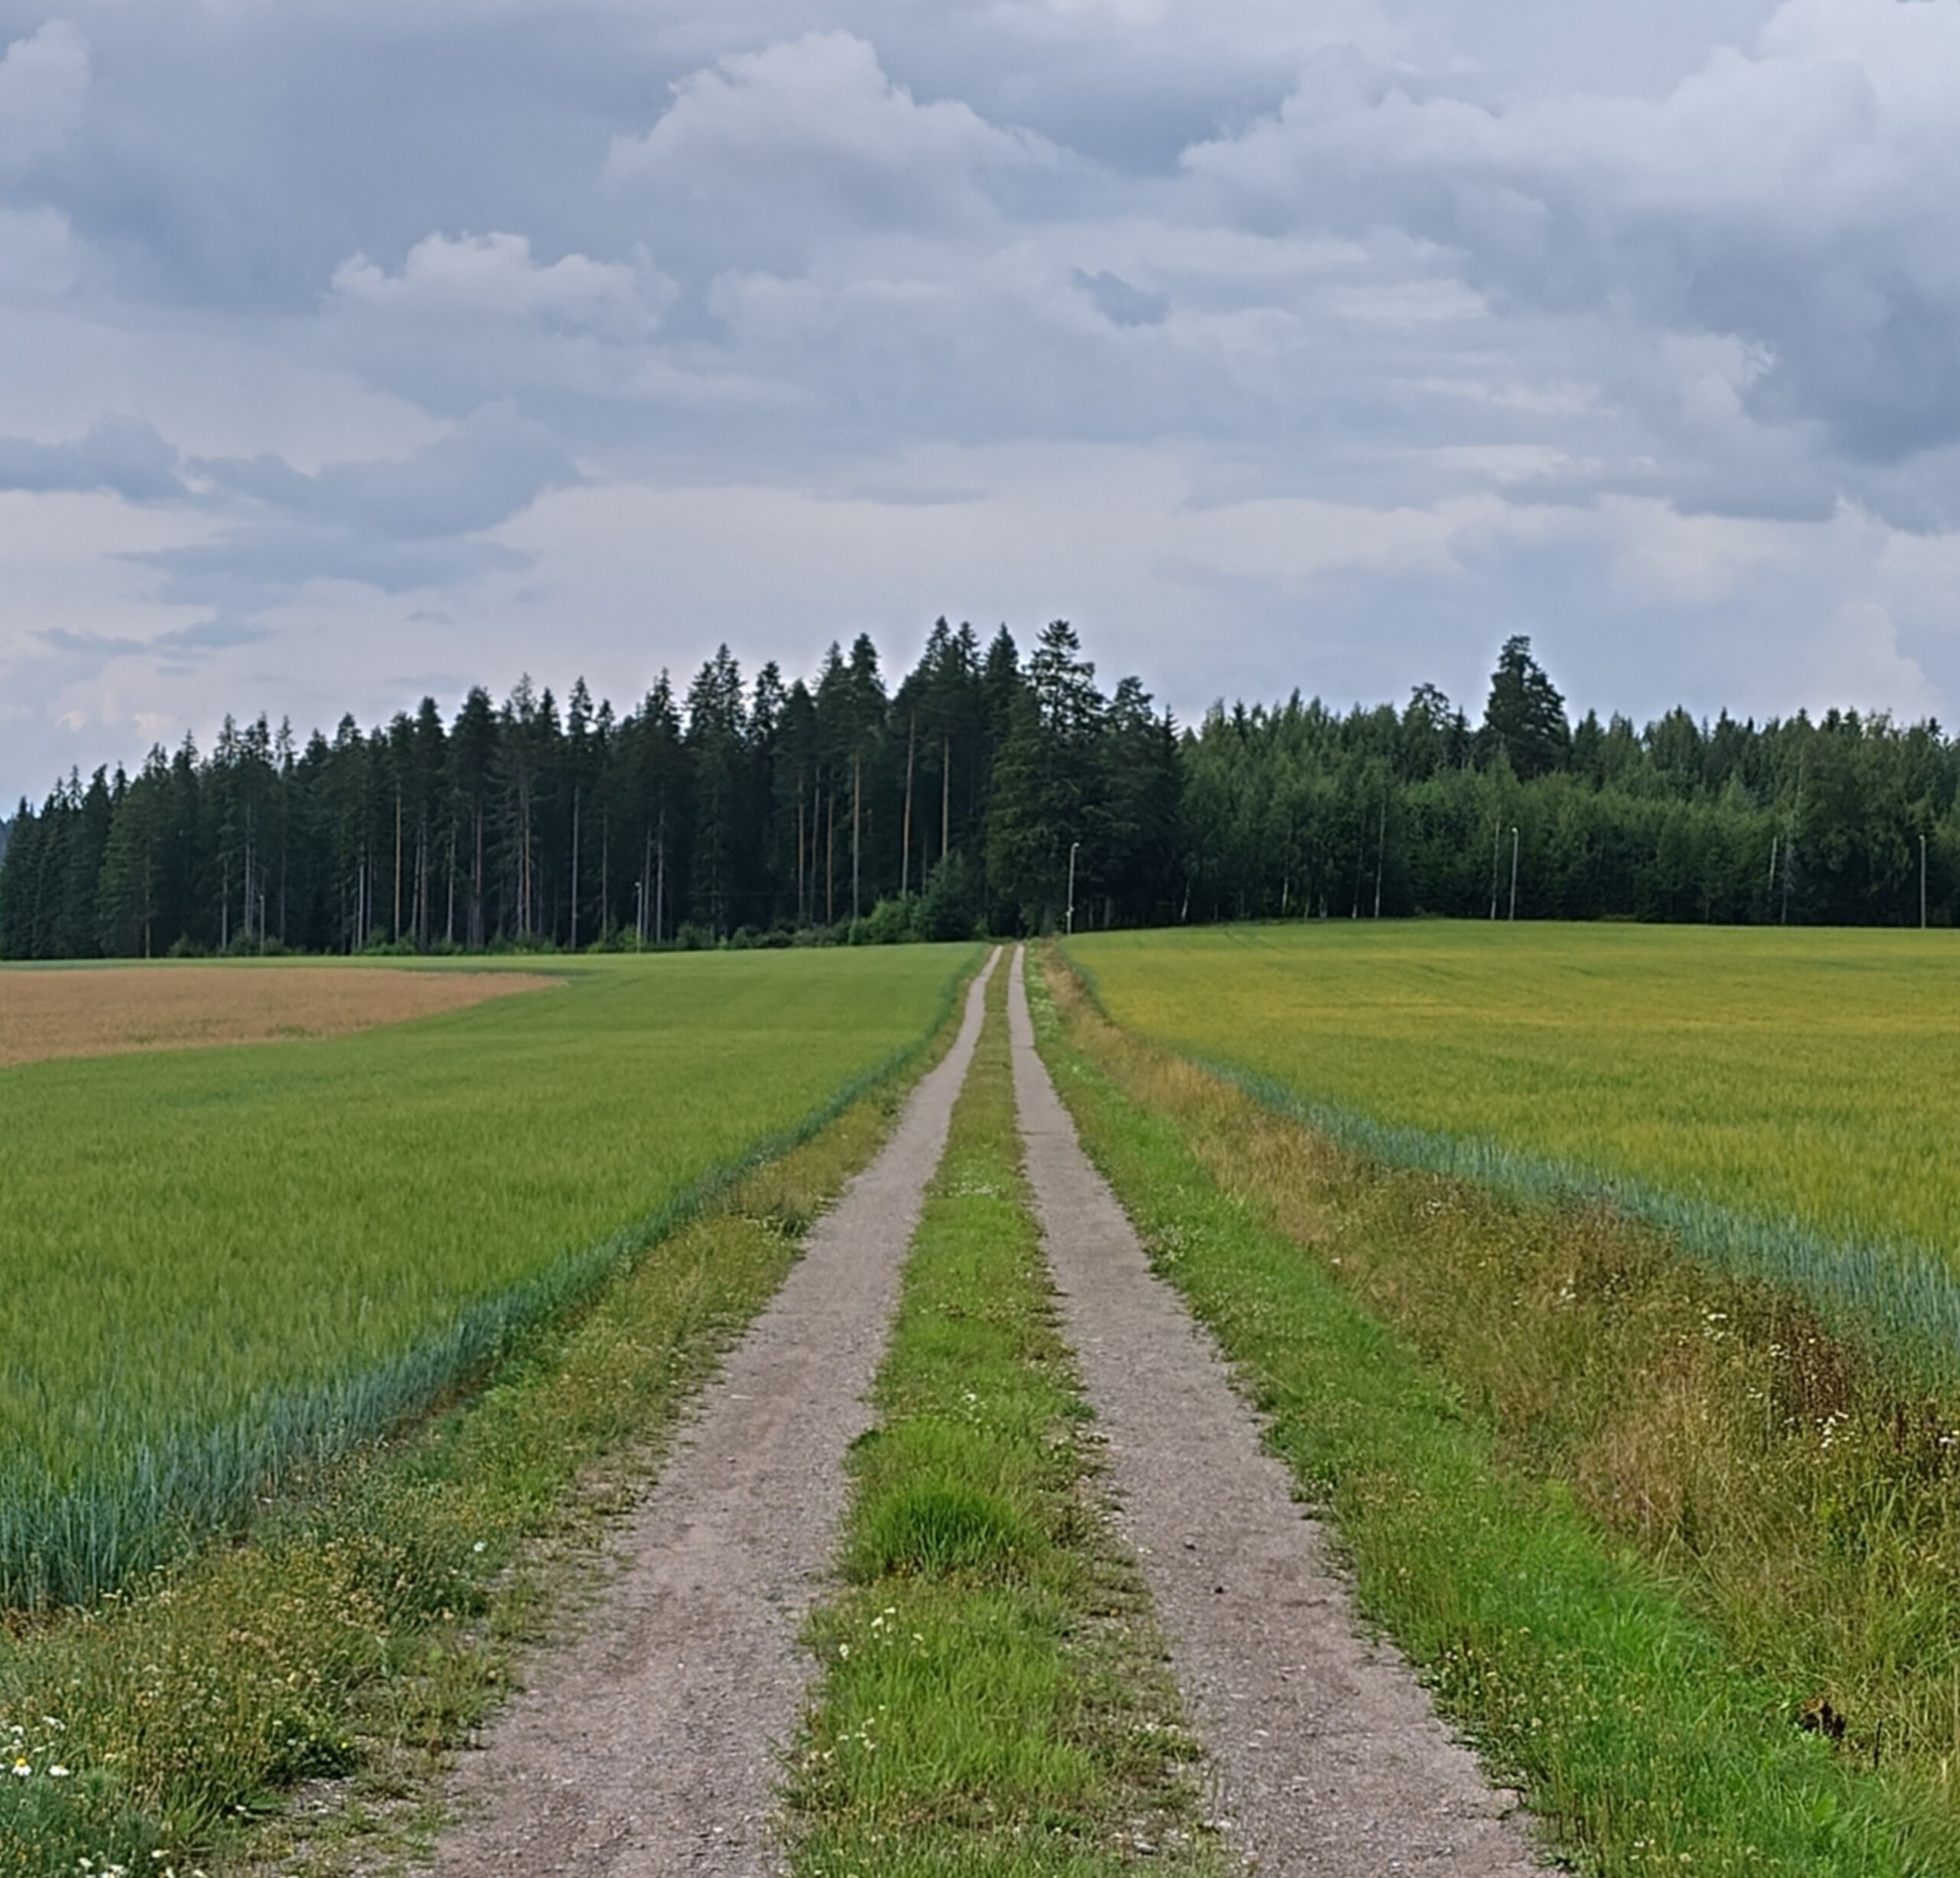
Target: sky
point(351, 351)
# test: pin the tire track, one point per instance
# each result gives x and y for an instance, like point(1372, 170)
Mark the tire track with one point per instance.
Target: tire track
point(1329, 1756)
point(649, 1745)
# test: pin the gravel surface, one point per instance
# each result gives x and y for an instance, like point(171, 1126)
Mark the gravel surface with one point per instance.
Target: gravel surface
point(1327, 1756)
point(650, 1744)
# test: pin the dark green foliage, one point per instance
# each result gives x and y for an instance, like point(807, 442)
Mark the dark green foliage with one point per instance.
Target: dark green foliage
point(959, 797)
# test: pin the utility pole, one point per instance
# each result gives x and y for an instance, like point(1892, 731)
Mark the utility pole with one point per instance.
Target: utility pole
point(905, 835)
point(1514, 871)
point(1497, 848)
point(1381, 840)
point(857, 812)
point(1073, 848)
point(1922, 883)
point(397, 934)
point(574, 868)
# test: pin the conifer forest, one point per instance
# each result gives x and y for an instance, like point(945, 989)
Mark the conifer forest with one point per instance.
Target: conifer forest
point(988, 789)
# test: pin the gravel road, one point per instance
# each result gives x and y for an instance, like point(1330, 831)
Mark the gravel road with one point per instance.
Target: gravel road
point(1329, 1759)
point(649, 1745)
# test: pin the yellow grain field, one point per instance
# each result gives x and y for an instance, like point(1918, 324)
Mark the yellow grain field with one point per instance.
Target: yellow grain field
point(105, 1011)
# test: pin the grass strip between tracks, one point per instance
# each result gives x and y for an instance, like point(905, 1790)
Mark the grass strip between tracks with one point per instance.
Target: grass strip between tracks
point(370, 1619)
point(1571, 1661)
point(993, 1701)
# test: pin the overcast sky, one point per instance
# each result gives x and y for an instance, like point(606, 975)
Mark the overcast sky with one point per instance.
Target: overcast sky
point(352, 350)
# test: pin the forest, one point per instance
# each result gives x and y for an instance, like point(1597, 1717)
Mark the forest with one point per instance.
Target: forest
point(987, 790)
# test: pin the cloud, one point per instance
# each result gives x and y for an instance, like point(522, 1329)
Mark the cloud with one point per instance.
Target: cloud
point(122, 455)
point(490, 277)
point(484, 472)
point(1335, 342)
point(765, 150)
point(40, 257)
point(1121, 304)
point(1793, 197)
point(43, 88)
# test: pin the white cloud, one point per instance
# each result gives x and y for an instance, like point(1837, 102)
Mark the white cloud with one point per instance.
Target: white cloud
point(493, 276)
point(814, 126)
point(43, 87)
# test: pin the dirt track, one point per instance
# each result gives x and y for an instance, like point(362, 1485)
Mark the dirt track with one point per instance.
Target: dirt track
point(1330, 1760)
point(650, 1745)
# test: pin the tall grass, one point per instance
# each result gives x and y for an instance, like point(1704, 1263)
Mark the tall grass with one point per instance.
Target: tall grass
point(1782, 1103)
point(219, 1263)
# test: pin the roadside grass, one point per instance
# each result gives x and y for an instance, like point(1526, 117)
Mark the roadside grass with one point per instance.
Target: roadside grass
point(220, 1265)
point(994, 1703)
point(1634, 1524)
point(370, 1618)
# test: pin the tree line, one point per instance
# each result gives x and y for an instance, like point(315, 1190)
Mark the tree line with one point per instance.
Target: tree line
point(984, 791)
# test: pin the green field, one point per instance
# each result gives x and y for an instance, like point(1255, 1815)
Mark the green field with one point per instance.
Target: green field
point(1785, 1100)
point(215, 1262)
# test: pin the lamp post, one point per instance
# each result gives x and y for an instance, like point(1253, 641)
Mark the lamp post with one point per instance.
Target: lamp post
point(1514, 871)
point(1073, 848)
point(1921, 884)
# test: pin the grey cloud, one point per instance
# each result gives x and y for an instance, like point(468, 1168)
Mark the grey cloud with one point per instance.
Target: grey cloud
point(123, 456)
point(251, 570)
point(1121, 304)
point(1787, 198)
point(179, 649)
point(489, 469)
point(102, 645)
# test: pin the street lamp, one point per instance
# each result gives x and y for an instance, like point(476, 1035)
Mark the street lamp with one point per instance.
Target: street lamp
point(1073, 848)
point(1514, 871)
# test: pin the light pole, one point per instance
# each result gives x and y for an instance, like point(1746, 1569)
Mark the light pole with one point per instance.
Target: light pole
point(1514, 871)
point(1073, 848)
point(1497, 848)
point(1922, 886)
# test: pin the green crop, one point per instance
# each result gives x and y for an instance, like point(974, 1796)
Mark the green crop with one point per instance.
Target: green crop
point(216, 1263)
point(1783, 1102)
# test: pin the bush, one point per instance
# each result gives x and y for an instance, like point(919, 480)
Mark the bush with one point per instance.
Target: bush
point(891, 922)
point(951, 907)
